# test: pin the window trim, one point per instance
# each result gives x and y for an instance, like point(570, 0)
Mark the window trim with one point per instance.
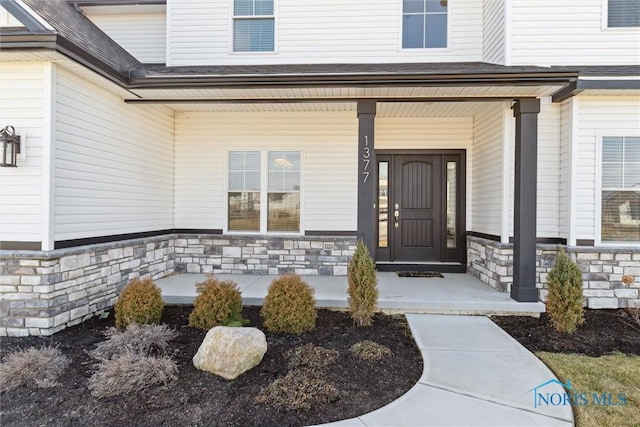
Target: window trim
point(233, 18)
point(598, 190)
point(605, 22)
point(423, 50)
point(264, 192)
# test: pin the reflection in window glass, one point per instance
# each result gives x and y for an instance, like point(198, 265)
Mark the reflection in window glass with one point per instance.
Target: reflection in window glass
point(620, 201)
point(383, 204)
point(283, 204)
point(244, 211)
point(451, 205)
point(244, 191)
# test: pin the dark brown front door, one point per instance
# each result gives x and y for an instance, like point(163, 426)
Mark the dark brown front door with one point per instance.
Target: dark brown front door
point(421, 206)
point(415, 208)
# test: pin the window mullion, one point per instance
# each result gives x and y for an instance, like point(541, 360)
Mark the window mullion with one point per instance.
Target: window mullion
point(264, 190)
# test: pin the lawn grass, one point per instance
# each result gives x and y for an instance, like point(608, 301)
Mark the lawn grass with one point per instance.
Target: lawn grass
point(619, 373)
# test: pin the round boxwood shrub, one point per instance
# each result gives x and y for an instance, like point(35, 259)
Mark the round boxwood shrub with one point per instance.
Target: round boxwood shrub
point(289, 306)
point(218, 303)
point(139, 302)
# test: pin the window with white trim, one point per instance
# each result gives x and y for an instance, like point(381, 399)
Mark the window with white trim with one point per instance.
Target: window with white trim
point(253, 26)
point(623, 13)
point(280, 187)
point(620, 203)
point(424, 24)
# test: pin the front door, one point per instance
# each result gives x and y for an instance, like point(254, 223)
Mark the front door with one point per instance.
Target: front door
point(420, 206)
point(415, 208)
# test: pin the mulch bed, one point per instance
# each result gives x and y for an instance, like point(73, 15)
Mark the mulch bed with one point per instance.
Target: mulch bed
point(604, 332)
point(200, 398)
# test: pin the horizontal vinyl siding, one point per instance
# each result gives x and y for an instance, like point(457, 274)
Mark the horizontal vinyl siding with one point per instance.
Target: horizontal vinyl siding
point(114, 163)
point(568, 32)
point(486, 199)
point(423, 133)
point(566, 137)
point(200, 33)
point(548, 195)
point(22, 89)
point(143, 36)
point(494, 31)
point(328, 141)
point(599, 117)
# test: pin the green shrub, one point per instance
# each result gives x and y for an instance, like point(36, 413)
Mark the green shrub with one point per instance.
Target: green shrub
point(33, 367)
point(218, 303)
point(363, 286)
point(139, 302)
point(564, 302)
point(289, 306)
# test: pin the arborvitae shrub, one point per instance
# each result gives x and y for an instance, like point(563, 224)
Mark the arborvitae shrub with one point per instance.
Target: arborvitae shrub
point(289, 306)
point(139, 302)
point(363, 286)
point(564, 302)
point(218, 303)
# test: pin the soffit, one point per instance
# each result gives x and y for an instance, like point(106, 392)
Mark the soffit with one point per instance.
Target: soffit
point(384, 109)
point(301, 93)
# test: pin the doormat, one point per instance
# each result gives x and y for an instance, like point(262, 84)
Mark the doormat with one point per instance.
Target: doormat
point(419, 274)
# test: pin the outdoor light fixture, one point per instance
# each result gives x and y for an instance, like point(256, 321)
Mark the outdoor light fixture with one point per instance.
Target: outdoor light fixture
point(10, 147)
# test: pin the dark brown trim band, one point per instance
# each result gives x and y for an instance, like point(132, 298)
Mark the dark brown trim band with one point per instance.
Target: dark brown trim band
point(486, 236)
point(585, 242)
point(61, 244)
point(20, 246)
point(576, 87)
point(322, 233)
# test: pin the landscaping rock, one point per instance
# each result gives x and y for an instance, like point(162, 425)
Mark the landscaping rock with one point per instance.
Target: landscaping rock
point(228, 352)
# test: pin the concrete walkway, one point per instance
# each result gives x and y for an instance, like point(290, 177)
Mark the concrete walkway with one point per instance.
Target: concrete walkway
point(474, 374)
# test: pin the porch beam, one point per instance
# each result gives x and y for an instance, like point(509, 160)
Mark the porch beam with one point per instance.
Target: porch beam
point(367, 174)
point(523, 288)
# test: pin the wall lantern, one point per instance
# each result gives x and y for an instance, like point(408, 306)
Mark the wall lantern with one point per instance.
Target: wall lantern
point(10, 146)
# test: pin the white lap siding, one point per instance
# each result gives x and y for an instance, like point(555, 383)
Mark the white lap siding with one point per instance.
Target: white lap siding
point(335, 31)
point(598, 117)
point(23, 91)
point(114, 163)
point(142, 35)
point(327, 140)
point(487, 163)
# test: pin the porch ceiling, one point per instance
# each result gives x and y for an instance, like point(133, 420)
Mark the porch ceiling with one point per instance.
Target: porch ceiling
point(220, 95)
point(385, 109)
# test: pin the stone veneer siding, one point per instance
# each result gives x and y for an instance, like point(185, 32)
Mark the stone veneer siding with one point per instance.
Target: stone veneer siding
point(602, 270)
point(43, 292)
point(309, 256)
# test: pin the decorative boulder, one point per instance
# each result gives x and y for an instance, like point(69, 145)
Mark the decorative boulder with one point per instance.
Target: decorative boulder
point(229, 352)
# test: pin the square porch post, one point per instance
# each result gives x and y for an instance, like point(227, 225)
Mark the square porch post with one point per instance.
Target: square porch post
point(523, 288)
point(367, 173)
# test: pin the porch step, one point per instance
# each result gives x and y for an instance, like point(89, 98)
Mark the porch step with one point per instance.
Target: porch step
point(440, 267)
point(452, 294)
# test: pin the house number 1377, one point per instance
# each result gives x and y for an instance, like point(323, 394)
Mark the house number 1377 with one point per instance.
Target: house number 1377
point(366, 154)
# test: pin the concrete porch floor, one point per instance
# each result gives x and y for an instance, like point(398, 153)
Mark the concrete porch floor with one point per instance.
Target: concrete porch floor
point(453, 294)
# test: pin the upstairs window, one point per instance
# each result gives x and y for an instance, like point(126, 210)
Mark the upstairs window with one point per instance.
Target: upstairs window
point(253, 26)
point(424, 24)
point(620, 190)
point(623, 13)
